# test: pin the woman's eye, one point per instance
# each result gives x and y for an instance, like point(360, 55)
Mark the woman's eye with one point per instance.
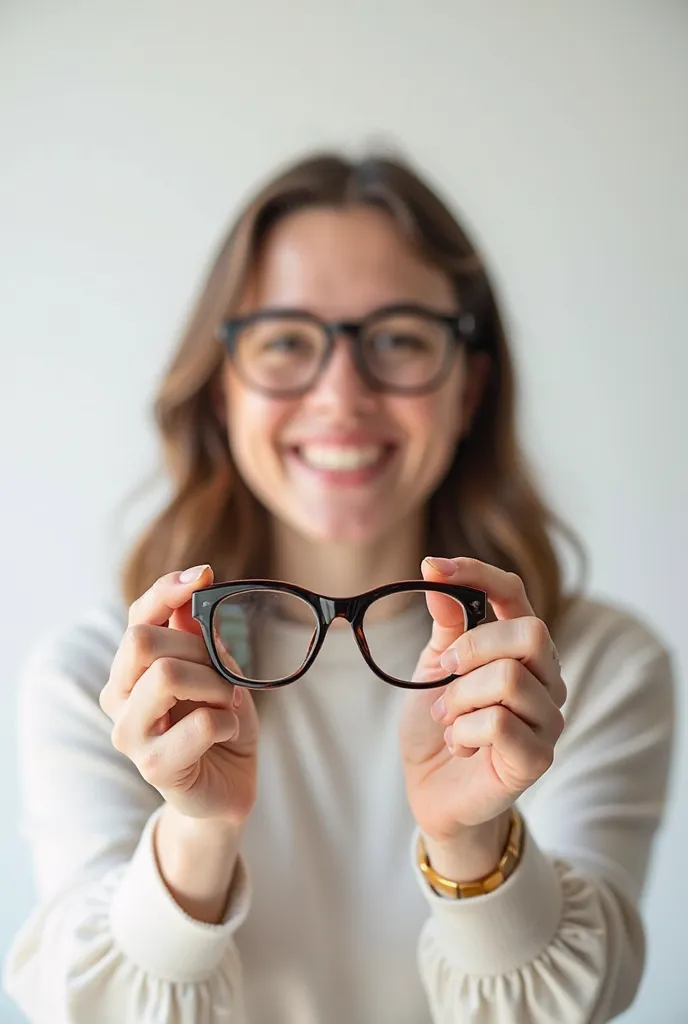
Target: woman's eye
point(286, 343)
point(398, 340)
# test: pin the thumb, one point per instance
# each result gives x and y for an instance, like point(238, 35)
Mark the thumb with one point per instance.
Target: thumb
point(181, 618)
point(448, 614)
point(244, 708)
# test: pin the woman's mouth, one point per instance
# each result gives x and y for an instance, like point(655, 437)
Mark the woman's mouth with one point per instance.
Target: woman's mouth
point(343, 463)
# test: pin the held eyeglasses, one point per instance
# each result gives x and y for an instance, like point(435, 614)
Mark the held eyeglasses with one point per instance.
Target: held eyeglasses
point(233, 615)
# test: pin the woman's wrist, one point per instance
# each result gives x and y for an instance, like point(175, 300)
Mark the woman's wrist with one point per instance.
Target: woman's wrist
point(212, 829)
point(196, 858)
point(473, 852)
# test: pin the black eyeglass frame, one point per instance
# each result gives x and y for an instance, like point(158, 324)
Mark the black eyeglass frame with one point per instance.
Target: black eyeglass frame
point(204, 604)
point(461, 325)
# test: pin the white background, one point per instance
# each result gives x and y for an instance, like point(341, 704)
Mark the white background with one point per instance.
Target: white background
point(129, 133)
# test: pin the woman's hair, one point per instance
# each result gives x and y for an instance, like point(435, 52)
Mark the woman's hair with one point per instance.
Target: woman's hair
point(486, 506)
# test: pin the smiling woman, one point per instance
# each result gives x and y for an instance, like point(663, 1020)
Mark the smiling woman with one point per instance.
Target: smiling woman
point(385, 446)
point(338, 426)
point(340, 241)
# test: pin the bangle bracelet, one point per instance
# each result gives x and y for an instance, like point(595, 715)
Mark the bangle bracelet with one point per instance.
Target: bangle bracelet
point(464, 890)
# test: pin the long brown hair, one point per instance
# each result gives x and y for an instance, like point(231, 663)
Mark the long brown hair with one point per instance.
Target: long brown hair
point(487, 505)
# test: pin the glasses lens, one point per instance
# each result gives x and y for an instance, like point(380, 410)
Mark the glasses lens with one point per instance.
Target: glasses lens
point(416, 604)
point(240, 622)
point(280, 353)
point(406, 350)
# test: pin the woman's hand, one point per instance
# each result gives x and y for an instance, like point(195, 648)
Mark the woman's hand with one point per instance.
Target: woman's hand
point(471, 748)
point(190, 734)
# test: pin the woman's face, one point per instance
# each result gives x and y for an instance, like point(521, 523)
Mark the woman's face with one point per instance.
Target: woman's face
point(343, 463)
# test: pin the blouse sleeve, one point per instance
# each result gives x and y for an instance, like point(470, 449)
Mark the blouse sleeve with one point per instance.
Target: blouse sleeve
point(562, 938)
point(106, 941)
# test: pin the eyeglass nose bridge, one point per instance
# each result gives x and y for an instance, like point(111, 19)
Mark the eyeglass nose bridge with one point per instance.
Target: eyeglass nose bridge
point(339, 608)
point(351, 609)
point(351, 330)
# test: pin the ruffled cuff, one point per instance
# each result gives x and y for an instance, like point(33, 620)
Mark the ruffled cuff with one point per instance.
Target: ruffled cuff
point(506, 928)
point(155, 933)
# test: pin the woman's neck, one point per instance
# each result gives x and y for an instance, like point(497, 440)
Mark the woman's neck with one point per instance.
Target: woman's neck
point(341, 570)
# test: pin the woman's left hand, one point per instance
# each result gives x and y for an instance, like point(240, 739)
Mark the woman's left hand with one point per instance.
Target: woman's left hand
point(471, 748)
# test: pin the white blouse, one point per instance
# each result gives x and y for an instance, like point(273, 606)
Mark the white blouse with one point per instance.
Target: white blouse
point(329, 921)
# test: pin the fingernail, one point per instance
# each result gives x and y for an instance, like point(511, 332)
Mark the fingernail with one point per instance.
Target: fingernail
point(191, 575)
point(445, 566)
point(438, 709)
point(237, 697)
point(449, 660)
point(448, 737)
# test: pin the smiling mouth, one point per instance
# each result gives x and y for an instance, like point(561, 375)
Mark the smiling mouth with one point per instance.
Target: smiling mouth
point(332, 458)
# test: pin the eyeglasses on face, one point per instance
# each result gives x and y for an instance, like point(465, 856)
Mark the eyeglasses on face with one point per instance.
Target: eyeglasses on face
point(231, 616)
point(403, 349)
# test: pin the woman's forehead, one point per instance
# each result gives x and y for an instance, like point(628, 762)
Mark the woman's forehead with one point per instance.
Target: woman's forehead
point(340, 263)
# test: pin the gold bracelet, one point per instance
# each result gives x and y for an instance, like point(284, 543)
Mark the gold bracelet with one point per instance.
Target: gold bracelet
point(463, 890)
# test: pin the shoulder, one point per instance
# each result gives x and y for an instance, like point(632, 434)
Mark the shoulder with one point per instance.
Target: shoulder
point(589, 624)
point(610, 655)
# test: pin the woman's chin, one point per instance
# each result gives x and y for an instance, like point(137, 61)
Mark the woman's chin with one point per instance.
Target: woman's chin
point(351, 529)
point(357, 537)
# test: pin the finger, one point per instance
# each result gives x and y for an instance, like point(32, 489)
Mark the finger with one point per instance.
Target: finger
point(166, 758)
point(524, 756)
point(526, 639)
point(141, 645)
point(505, 590)
point(227, 660)
point(167, 594)
point(509, 684)
point(165, 684)
point(448, 620)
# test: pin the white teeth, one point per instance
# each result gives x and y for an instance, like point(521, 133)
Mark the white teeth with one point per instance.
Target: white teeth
point(330, 456)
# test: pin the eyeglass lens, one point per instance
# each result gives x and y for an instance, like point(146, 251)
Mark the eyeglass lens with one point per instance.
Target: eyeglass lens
point(239, 619)
point(402, 350)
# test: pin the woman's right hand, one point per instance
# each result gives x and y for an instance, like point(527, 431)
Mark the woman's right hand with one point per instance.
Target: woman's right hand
point(190, 733)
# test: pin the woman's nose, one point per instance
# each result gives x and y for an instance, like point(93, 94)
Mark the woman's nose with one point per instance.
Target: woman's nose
point(340, 383)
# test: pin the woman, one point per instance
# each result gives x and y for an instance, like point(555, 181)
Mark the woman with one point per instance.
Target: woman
point(341, 412)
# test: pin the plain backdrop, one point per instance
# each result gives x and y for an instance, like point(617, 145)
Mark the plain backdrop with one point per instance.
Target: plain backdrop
point(131, 131)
